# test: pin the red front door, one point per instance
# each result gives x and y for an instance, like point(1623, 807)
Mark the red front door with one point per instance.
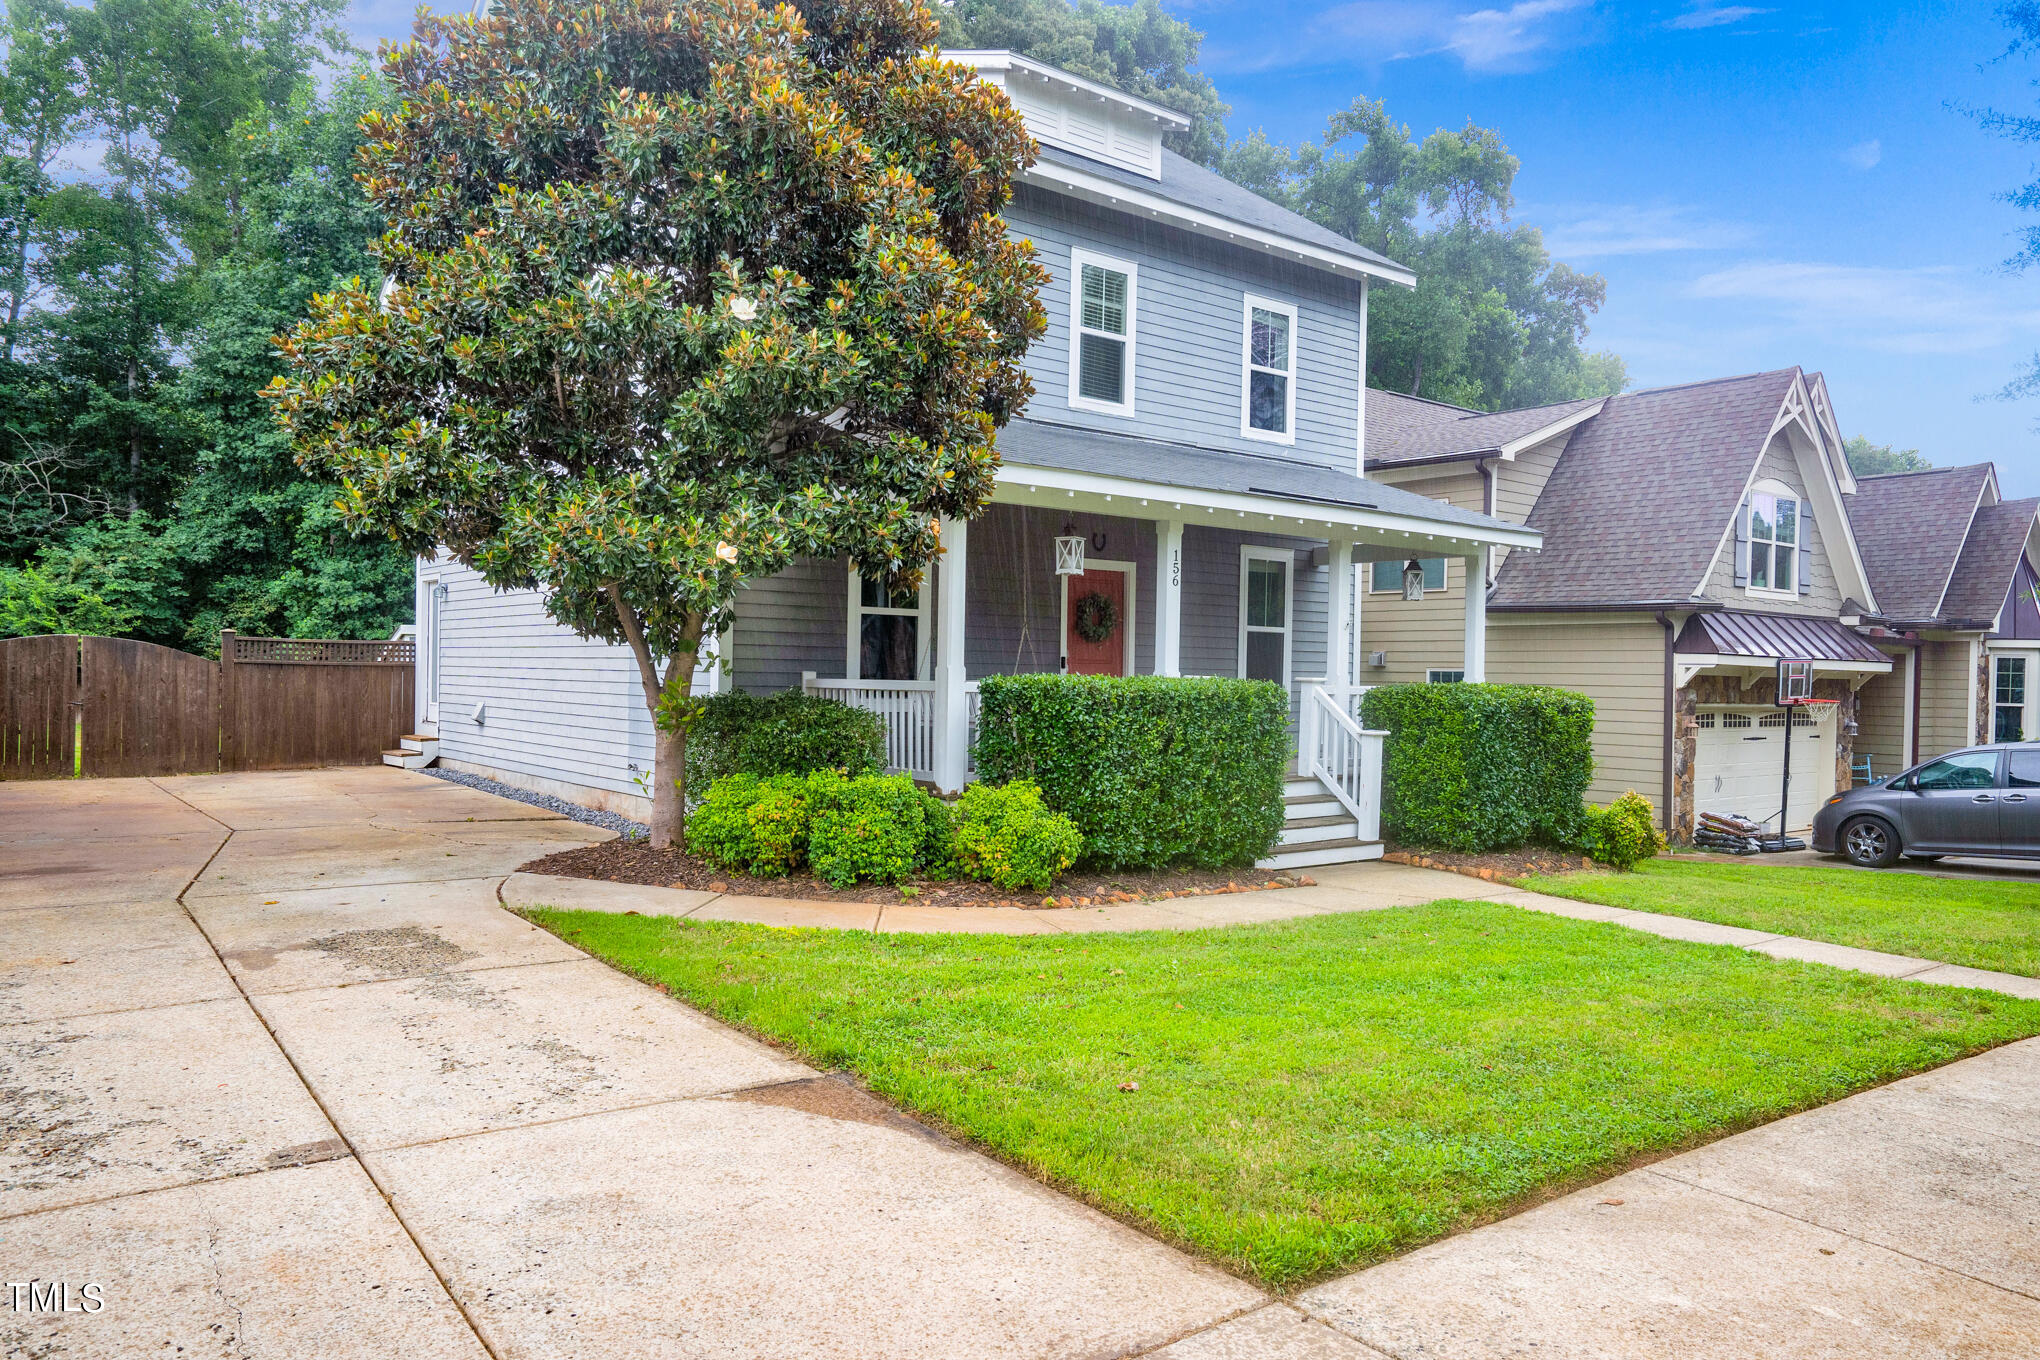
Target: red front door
point(1106, 655)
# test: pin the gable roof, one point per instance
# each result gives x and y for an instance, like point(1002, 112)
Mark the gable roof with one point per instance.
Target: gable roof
point(1911, 527)
point(1990, 558)
point(1403, 430)
point(1206, 195)
point(1612, 534)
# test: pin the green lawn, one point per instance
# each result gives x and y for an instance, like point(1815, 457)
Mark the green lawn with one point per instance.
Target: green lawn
point(1320, 1093)
point(1984, 923)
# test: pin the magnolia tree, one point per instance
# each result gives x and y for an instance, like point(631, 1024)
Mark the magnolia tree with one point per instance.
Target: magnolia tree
point(674, 295)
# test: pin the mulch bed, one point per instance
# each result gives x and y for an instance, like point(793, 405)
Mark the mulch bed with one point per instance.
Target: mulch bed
point(1499, 866)
point(633, 861)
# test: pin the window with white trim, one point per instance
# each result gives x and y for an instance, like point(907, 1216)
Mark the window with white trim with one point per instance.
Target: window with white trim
point(1386, 577)
point(888, 631)
point(1774, 542)
point(1445, 677)
point(1268, 371)
point(1265, 613)
point(1102, 297)
point(2008, 699)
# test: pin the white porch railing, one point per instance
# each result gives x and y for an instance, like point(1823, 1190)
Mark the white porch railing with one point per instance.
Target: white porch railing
point(1332, 746)
point(908, 708)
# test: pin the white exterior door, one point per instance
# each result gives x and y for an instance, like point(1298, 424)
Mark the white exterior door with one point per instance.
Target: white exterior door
point(1739, 763)
point(428, 644)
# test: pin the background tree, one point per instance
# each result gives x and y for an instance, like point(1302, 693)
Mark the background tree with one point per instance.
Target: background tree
point(2022, 17)
point(1876, 460)
point(675, 297)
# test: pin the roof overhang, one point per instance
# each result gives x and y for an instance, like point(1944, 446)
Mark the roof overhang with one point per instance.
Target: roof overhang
point(1506, 451)
point(1021, 484)
point(1000, 61)
point(1111, 193)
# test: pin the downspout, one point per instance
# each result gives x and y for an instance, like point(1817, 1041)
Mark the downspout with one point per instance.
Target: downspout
point(1487, 504)
point(1913, 674)
point(1671, 712)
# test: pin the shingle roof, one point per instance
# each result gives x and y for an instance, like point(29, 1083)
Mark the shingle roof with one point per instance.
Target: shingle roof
point(1910, 527)
point(1185, 181)
point(1775, 637)
point(1034, 443)
point(1637, 507)
point(1983, 574)
point(1404, 429)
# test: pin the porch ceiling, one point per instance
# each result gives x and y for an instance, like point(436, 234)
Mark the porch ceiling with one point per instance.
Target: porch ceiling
point(1064, 466)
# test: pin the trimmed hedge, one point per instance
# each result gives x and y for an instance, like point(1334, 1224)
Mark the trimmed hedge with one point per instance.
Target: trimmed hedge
point(791, 732)
point(1153, 770)
point(1483, 767)
point(874, 827)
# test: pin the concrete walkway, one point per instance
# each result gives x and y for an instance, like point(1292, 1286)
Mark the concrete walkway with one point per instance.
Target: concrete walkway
point(281, 1078)
point(1340, 888)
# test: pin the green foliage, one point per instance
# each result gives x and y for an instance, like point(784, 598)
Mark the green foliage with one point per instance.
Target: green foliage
point(789, 732)
point(1153, 770)
point(872, 829)
point(1494, 322)
point(1878, 460)
point(116, 577)
point(1482, 767)
point(1622, 833)
point(1139, 48)
point(1005, 836)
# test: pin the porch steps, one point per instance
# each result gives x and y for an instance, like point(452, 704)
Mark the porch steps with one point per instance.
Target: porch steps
point(1316, 829)
point(415, 752)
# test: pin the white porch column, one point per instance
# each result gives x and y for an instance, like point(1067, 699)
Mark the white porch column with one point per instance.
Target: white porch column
point(1339, 640)
point(1476, 616)
point(1169, 597)
point(952, 708)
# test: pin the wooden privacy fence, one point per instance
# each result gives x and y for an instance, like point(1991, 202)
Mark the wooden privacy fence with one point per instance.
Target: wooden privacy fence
point(114, 706)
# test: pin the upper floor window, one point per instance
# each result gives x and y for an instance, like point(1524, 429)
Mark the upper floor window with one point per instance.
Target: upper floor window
point(1774, 542)
point(1101, 333)
point(1268, 379)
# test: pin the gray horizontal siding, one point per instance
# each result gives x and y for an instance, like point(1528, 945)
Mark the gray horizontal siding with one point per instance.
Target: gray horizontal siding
point(1014, 598)
point(1211, 602)
point(790, 623)
point(1188, 308)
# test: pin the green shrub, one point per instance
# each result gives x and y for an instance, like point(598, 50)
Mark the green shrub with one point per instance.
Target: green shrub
point(1005, 836)
point(1483, 767)
point(750, 825)
point(873, 828)
point(1623, 832)
point(791, 732)
point(1153, 770)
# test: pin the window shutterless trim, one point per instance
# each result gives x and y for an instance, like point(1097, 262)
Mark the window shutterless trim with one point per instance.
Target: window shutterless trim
point(1780, 494)
point(1079, 257)
point(1256, 552)
point(1287, 434)
point(853, 661)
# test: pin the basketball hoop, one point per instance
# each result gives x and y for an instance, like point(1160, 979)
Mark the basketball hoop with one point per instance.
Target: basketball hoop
point(1795, 684)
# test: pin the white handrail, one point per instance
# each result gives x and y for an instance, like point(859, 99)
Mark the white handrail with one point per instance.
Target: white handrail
point(908, 709)
point(1343, 755)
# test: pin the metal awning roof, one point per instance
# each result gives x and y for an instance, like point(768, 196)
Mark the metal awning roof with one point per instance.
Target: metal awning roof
point(1775, 637)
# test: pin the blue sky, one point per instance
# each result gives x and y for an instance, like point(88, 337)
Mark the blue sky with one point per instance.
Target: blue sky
point(1762, 185)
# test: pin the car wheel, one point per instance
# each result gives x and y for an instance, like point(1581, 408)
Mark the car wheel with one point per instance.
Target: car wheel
point(1870, 843)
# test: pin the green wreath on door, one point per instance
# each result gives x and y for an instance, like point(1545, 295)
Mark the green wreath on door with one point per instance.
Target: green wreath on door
point(1097, 617)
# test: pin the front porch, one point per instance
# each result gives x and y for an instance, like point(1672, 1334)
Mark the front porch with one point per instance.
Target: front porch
point(1193, 581)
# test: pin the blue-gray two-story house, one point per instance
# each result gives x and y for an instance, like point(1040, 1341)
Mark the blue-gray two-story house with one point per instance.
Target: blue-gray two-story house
point(1182, 497)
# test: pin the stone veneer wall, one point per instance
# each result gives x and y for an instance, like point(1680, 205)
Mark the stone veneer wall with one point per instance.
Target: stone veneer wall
point(1729, 689)
point(1983, 697)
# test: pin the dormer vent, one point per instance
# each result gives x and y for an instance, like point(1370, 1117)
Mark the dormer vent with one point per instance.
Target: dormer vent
point(1078, 115)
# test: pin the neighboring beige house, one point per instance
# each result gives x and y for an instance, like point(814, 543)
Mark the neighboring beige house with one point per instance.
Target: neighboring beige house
point(1694, 536)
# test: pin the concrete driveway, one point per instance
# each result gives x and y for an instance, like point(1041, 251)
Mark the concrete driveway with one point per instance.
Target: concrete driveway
point(281, 1079)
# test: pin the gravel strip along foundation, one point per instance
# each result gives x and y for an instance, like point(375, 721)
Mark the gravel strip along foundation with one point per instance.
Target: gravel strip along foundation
point(610, 821)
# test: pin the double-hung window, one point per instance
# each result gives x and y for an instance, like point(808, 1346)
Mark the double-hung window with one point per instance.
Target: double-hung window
point(1386, 577)
point(1102, 296)
point(1774, 542)
point(2008, 699)
point(1264, 613)
point(888, 631)
point(1268, 371)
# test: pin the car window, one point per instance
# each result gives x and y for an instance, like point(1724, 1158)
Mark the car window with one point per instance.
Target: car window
point(2024, 769)
point(1970, 770)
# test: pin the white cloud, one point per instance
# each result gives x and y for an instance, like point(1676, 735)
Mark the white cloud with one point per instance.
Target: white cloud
point(1864, 155)
point(1597, 230)
point(1708, 14)
point(1925, 310)
point(1492, 38)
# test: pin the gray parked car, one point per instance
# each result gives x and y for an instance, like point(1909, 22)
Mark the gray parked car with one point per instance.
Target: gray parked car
point(1982, 801)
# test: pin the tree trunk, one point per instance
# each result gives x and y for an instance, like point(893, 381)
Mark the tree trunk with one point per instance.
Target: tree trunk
point(668, 826)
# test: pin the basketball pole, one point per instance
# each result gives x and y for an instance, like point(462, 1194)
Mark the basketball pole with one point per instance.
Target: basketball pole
point(1785, 785)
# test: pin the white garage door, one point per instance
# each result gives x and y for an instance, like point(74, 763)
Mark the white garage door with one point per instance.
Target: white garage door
point(1740, 759)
